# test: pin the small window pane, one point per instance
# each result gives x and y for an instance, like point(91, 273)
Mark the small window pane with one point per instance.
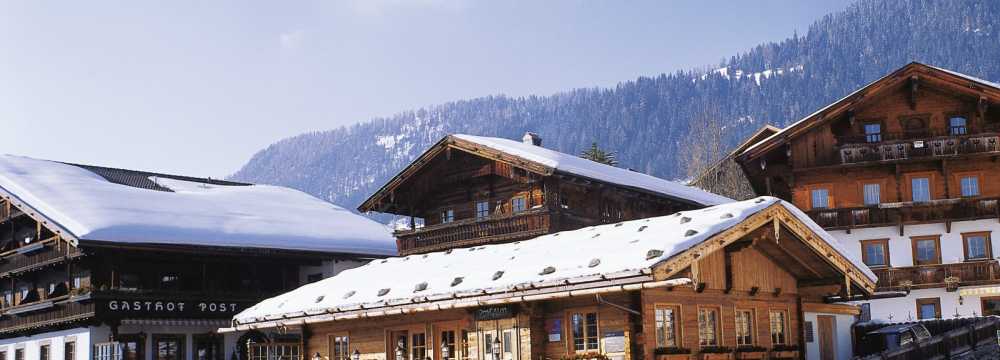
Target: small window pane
point(518, 204)
point(744, 328)
point(778, 330)
point(991, 306)
point(921, 189)
point(873, 194)
point(482, 209)
point(958, 125)
point(447, 216)
point(873, 132)
point(875, 254)
point(708, 327)
point(928, 311)
point(820, 199)
point(970, 186)
point(926, 251)
point(975, 247)
point(666, 327)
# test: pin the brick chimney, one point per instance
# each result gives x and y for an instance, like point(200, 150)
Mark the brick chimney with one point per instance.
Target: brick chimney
point(531, 138)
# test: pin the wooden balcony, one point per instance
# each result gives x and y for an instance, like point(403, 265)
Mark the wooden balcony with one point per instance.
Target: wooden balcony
point(55, 312)
point(471, 232)
point(36, 256)
point(894, 147)
point(935, 276)
point(905, 213)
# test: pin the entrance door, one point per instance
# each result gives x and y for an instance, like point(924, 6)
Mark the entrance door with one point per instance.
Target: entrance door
point(827, 337)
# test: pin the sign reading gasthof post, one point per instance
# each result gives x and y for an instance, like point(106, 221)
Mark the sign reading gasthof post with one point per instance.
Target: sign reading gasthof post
point(495, 312)
point(127, 308)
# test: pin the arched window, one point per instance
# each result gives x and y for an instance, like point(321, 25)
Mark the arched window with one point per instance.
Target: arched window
point(957, 125)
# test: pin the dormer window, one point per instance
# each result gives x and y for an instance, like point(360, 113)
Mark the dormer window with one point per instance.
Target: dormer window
point(873, 132)
point(958, 125)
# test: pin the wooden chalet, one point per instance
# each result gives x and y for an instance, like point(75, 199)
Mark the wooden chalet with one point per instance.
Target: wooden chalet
point(905, 172)
point(103, 263)
point(471, 190)
point(734, 281)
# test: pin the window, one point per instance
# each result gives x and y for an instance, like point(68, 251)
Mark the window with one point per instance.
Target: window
point(666, 326)
point(518, 204)
point(447, 341)
point(744, 327)
point(19, 354)
point(708, 327)
point(482, 209)
point(977, 245)
point(810, 333)
point(970, 186)
point(873, 132)
point(488, 345)
point(508, 344)
point(170, 282)
point(958, 125)
point(419, 349)
point(3, 354)
point(208, 347)
point(928, 308)
point(168, 347)
point(820, 198)
point(275, 351)
point(779, 327)
point(128, 281)
point(584, 327)
point(926, 250)
point(69, 351)
point(340, 348)
point(447, 216)
point(991, 306)
point(920, 188)
point(43, 352)
point(875, 252)
point(866, 312)
point(873, 194)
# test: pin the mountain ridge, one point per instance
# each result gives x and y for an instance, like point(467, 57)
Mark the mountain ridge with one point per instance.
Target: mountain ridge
point(645, 120)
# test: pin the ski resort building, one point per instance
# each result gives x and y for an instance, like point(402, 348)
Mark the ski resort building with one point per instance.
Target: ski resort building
point(746, 276)
point(905, 173)
point(113, 264)
point(473, 190)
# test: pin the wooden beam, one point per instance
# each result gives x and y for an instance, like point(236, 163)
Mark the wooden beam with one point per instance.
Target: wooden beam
point(914, 86)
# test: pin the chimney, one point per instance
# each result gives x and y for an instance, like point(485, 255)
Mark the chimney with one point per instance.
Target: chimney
point(531, 138)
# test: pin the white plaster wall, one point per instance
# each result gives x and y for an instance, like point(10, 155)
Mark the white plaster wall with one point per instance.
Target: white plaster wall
point(843, 340)
point(329, 268)
point(900, 247)
point(55, 339)
point(905, 308)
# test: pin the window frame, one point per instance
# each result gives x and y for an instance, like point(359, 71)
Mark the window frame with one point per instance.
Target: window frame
point(881, 191)
point(830, 198)
point(785, 331)
point(982, 304)
point(884, 243)
point(958, 176)
point(332, 340)
point(752, 325)
point(908, 184)
point(571, 338)
point(964, 127)
point(937, 249)
point(483, 213)
point(716, 329)
point(877, 137)
point(988, 244)
point(524, 204)
point(929, 301)
point(678, 327)
point(447, 215)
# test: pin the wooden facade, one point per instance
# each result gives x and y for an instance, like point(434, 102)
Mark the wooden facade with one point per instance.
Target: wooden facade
point(467, 194)
point(919, 146)
point(740, 294)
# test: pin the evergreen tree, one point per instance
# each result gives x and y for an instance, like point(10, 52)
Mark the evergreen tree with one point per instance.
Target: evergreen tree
point(596, 154)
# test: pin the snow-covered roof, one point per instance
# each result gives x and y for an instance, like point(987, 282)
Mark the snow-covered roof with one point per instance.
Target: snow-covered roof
point(578, 166)
point(186, 211)
point(782, 132)
point(613, 251)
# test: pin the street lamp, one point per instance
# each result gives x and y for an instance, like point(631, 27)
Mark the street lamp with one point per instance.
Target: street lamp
point(445, 350)
point(356, 355)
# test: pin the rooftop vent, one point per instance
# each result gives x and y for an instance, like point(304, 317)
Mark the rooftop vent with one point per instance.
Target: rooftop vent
point(531, 138)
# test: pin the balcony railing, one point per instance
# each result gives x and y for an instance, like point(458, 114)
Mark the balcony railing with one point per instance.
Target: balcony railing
point(942, 275)
point(856, 150)
point(474, 231)
point(907, 213)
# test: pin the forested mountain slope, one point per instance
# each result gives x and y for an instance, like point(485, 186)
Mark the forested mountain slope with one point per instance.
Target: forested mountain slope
point(645, 120)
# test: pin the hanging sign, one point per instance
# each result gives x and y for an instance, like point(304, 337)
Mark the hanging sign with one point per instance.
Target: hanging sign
point(495, 312)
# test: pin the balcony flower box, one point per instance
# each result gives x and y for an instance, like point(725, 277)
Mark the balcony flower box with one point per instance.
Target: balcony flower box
point(751, 353)
point(672, 353)
point(716, 353)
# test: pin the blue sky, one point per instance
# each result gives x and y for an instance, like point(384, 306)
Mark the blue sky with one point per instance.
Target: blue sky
point(197, 87)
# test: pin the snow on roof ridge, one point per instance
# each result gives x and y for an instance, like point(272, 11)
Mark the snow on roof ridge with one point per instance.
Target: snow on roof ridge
point(90, 207)
point(582, 167)
point(624, 249)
